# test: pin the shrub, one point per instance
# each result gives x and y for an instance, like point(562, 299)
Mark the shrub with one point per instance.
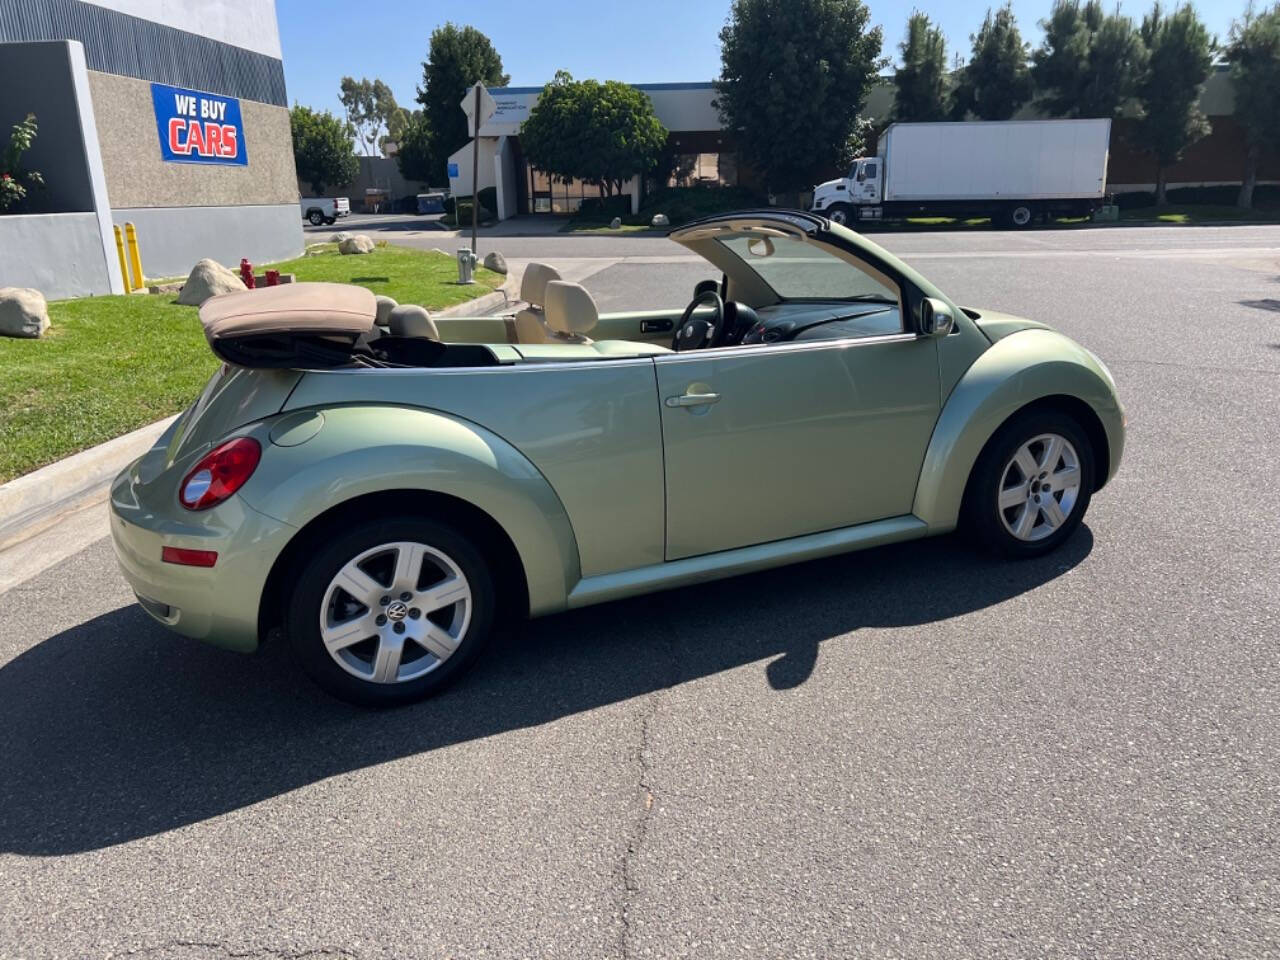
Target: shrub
point(15, 180)
point(605, 208)
point(682, 204)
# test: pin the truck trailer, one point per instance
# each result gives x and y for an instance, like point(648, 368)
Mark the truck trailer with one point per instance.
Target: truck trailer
point(1012, 171)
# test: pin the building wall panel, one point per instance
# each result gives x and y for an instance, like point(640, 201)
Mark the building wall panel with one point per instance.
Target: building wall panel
point(138, 177)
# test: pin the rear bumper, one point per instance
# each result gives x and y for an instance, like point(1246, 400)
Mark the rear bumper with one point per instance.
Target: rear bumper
point(217, 604)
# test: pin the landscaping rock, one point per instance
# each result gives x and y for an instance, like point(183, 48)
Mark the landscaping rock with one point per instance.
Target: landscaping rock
point(357, 244)
point(615, 223)
point(660, 220)
point(208, 278)
point(341, 235)
point(410, 320)
point(496, 262)
point(23, 313)
point(385, 306)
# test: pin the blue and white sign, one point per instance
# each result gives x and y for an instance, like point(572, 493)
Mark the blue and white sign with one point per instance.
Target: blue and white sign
point(197, 127)
point(453, 171)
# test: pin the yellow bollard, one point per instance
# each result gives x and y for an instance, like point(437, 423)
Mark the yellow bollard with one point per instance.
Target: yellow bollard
point(135, 258)
point(124, 267)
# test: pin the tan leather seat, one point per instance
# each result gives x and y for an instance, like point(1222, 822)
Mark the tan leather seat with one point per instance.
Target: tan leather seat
point(530, 325)
point(570, 312)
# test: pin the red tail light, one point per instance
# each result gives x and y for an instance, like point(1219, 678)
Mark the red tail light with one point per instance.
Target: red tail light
point(219, 474)
point(189, 558)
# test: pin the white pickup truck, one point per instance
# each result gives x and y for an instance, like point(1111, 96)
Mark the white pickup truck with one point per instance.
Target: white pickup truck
point(318, 210)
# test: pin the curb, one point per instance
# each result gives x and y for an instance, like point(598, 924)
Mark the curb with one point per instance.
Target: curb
point(34, 496)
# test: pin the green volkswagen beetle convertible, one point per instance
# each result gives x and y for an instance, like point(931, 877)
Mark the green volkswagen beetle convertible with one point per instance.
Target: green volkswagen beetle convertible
point(387, 492)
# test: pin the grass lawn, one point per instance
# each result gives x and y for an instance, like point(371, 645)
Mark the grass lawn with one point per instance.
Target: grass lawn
point(1199, 213)
point(595, 226)
point(109, 365)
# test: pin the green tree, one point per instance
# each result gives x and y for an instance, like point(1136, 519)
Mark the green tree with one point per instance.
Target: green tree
point(920, 84)
point(322, 150)
point(794, 77)
point(414, 154)
point(1254, 55)
point(600, 133)
point(996, 81)
point(457, 59)
point(1090, 62)
point(371, 108)
point(15, 179)
point(1180, 58)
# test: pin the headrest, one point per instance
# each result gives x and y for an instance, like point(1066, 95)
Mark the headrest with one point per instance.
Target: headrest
point(316, 308)
point(533, 285)
point(410, 320)
point(569, 308)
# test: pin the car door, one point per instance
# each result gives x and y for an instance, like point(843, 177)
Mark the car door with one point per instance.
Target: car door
point(772, 441)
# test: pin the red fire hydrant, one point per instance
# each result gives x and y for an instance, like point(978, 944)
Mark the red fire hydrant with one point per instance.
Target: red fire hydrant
point(246, 272)
point(273, 278)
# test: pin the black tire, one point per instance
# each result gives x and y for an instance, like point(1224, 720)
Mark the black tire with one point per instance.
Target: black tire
point(315, 217)
point(981, 516)
point(306, 603)
point(1022, 216)
point(840, 213)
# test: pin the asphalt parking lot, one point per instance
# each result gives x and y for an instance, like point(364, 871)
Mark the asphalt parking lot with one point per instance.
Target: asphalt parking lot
point(913, 751)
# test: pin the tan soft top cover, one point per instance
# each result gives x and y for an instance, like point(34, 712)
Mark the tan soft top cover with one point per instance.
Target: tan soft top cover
point(324, 309)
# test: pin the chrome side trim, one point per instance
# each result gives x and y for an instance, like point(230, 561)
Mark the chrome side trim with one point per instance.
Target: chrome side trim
point(729, 563)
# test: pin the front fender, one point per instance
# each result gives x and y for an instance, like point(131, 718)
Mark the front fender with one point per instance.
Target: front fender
point(359, 450)
point(1017, 370)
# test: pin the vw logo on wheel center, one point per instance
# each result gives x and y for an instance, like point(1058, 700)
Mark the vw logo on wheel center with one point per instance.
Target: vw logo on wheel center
point(397, 611)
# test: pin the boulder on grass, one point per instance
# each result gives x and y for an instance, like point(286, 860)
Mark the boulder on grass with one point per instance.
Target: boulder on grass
point(385, 306)
point(208, 278)
point(341, 235)
point(23, 312)
point(660, 220)
point(615, 223)
point(357, 244)
point(496, 262)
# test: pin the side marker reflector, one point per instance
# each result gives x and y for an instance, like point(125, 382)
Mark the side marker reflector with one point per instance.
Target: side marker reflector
point(189, 558)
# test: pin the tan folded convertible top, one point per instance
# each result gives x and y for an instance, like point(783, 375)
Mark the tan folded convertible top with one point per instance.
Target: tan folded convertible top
point(320, 309)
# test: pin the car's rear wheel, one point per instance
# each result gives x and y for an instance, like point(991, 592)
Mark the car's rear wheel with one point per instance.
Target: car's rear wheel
point(391, 611)
point(316, 218)
point(1031, 485)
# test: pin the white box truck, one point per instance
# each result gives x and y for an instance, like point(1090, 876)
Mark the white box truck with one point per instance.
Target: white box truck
point(1010, 170)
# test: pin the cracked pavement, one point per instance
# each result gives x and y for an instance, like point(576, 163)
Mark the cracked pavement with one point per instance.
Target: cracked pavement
point(914, 751)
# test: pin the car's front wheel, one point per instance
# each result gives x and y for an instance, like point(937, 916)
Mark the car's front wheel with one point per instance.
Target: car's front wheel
point(391, 611)
point(1031, 485)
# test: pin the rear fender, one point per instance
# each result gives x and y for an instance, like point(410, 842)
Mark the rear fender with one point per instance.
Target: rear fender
point(1017, 370)
point(360, 450)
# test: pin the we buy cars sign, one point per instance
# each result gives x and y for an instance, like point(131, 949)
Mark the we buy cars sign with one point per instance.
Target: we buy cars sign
point(197, 127)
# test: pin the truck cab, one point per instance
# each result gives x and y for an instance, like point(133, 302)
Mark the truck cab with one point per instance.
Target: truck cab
point(861, 187)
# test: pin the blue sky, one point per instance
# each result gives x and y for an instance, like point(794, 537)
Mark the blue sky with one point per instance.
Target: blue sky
point(639, 41)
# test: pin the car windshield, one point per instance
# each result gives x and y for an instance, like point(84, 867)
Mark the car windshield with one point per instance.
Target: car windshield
point(797, 270)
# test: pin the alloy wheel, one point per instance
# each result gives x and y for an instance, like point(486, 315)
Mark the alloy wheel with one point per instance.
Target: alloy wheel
point(1039, 487)
point(395, 612)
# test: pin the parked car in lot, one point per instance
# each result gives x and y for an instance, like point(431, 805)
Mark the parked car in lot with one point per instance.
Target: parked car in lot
point(318, 210)
point(388, 496)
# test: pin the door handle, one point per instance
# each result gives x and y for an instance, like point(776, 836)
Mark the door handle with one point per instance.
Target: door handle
point(656, 326)
point(693, 400)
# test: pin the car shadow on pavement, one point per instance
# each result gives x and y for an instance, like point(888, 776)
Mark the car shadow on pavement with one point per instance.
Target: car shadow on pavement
point(116, 729)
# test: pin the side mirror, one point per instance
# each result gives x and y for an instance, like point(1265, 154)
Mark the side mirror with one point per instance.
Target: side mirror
point(935, 318)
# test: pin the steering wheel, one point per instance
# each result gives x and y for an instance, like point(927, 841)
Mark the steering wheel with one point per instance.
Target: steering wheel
point(694, 334)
